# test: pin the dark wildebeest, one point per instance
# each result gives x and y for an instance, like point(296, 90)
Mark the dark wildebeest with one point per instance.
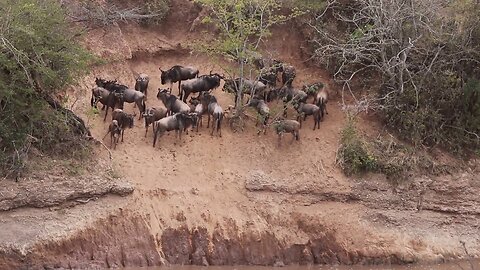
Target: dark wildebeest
point(129, 95)
point(287, 126)
point(107, 98)
point(178, 122)
point(201, 84)
point(141, 83)
point(288, 94)
point(289, 73)
point(112, 86)
point(115, 131)
point(178, 74)
point(305, 109)
point(153, 114)
point(125, 120)
point(171, 102)
point(263, 111)
point(214, 110)
point(252, 88)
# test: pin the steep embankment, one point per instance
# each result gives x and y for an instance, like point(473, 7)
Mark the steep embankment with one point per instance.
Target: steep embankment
point(239, 199)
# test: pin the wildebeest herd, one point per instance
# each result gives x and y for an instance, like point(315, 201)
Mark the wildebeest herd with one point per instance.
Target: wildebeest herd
point(178, 115)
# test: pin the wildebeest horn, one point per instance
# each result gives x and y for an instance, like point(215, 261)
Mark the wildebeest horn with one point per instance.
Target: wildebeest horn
point(211, 72)
point(160, 69)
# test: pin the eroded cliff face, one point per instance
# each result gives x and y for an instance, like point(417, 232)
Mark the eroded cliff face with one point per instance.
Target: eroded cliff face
point(239, 199)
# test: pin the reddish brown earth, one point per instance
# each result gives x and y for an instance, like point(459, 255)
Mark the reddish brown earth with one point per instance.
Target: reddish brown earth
point(238, 199)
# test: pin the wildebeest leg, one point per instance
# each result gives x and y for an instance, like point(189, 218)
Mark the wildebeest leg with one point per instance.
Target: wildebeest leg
point(184, 95)
point(179, 89)
point(213, 126)
point(146, 130)
point(155, 135)
point(123, 131)
point(219, 127)
point(280, 134)
point(208, 122)
point(284, 109)
point(105, 117)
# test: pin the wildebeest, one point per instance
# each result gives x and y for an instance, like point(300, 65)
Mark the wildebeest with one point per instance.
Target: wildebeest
point(288, 94)
point(199, 109)
point(214, 110)
point(141, 83)
point(263, 111)
point(269, 74)
point(125, 120)
point(305, 109)
point(289, 73)
point(321, 100)
point(129, 95)
point(153, 114)
point(201, 84)
point(178, 74)
point(114, 130)
point(107, 98)
point(252, 88)
point(110, 85)
point(178, 122)
point(289, 126)
point(171, 102)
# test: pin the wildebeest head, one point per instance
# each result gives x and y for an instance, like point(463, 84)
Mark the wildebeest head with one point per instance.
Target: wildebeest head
point(194, 101)
point(142, 78)
point(100, 82)
point(162, 94)
point(167, 76)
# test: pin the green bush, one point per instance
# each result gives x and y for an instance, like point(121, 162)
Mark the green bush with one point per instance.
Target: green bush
point(39, 57)
point(353, 155)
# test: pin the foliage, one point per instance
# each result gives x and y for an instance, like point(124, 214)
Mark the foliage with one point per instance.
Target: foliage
point(353, 155)
point(243, 25)
point(424, 56)
point(39, 57)
point(358, 154)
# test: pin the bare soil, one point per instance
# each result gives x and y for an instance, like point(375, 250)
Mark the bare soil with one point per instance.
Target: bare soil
point(238, 199)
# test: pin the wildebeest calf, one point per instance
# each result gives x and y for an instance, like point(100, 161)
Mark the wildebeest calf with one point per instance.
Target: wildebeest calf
point(125, 120)
point(114, 130)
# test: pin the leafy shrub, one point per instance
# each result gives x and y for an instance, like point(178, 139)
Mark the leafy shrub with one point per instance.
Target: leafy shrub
point(353, 155)
point(39, 57)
